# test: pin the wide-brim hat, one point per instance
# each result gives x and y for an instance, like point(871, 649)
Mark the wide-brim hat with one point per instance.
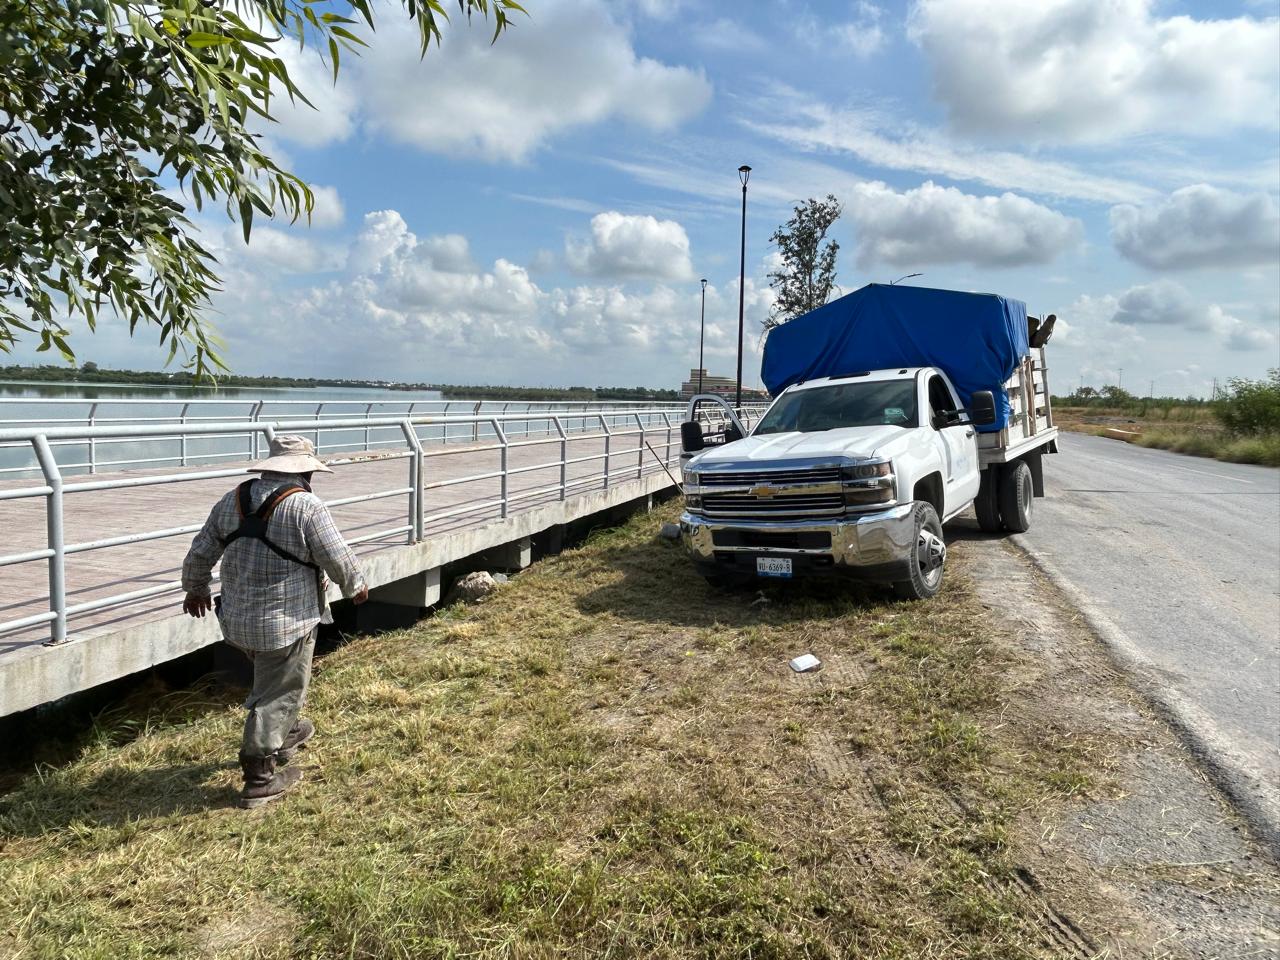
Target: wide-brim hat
point(290, 454)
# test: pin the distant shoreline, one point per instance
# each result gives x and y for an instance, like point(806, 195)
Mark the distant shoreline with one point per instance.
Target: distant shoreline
point(102, 377)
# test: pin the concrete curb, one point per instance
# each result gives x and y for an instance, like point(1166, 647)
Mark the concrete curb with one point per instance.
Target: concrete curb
point(1257, 802)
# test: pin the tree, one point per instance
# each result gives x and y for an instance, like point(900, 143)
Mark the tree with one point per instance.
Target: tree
point(105, 105)
point(807, 275)
point(1250, 408)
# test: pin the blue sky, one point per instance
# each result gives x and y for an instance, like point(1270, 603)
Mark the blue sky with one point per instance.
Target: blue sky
point(540, 211)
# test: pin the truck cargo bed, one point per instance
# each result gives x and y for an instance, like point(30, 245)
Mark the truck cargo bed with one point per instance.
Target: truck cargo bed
point(1030, 424)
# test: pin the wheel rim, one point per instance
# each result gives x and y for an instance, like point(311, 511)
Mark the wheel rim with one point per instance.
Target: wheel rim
point(931, 555)
point(1028, 495)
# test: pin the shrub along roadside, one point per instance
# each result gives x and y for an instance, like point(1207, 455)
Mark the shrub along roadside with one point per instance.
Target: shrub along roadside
point(604, 759)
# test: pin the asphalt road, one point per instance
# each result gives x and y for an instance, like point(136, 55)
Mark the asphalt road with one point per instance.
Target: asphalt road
point(1177, 560)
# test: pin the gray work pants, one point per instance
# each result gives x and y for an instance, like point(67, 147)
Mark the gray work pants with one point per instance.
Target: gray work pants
point(280, 679)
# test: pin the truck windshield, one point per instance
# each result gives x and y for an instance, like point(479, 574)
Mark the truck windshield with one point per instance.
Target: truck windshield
point(865, 404)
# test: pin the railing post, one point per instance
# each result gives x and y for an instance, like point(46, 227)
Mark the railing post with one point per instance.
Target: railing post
point(505, 453)
point(54, 538)
point(564, 457)
point(608, 437)
point(182, 441)
point(475, 424)
point(639, 448)
point(93, 443)
point(666, 418)
point(417, 464)
point(368, 407)
point(255, 451)
point(316, 417)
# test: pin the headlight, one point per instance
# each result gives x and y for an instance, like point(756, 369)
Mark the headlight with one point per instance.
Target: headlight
point(868, 484)
point(692, 500)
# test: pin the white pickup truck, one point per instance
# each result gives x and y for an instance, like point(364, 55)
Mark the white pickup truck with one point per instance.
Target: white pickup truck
point(855, 475)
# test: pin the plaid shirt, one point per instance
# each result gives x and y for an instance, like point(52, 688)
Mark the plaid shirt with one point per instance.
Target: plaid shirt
point(268, 602)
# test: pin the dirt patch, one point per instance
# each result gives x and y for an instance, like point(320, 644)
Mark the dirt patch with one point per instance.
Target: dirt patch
point(254, 928)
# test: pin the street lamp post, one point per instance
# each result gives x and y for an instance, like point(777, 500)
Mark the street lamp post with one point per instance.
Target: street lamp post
point(744, 173)
point(702, 332)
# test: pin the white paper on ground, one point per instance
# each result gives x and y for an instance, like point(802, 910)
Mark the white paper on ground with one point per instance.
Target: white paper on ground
point(805, 663)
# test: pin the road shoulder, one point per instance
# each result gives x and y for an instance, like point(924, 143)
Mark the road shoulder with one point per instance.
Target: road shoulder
point(1160, 839)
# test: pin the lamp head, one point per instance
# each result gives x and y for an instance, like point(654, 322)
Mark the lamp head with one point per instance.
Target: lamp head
point(704, 283)
point(744, 172)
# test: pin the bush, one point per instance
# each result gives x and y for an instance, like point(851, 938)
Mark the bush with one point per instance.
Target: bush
point(1251, 408)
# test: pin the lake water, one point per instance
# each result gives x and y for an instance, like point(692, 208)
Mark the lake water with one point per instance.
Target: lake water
point(27, 404)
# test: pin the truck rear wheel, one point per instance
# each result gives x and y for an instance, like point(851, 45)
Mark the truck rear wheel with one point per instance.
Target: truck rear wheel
point(928, 555)
point(987, 504)
point(1016, 497)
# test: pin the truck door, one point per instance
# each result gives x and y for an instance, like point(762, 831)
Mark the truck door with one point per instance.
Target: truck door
point(959, 446)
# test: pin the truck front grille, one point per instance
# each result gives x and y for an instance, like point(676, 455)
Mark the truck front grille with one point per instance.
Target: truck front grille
point(731, 505)
point(775, 477)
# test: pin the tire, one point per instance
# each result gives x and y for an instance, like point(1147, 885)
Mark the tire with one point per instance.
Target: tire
point(928, 557)
point(1016, 497)
point(987, 504)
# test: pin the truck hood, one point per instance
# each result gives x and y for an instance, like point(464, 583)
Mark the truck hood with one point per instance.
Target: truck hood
point(855, 443)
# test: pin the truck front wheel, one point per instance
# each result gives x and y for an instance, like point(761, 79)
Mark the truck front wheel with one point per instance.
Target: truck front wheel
point(928, 555)
point(1016, 496)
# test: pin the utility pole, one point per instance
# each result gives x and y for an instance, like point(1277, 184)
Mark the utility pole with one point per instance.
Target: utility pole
point(744, 172)
point(702, 332)
point(1120, 380)
point(1151, 390)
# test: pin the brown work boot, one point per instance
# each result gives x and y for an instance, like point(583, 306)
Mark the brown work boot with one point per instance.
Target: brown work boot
point(302, 731)
point(262, 782)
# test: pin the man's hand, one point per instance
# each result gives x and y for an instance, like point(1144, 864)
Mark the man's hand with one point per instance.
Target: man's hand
point(360, 596)
point(197, 605)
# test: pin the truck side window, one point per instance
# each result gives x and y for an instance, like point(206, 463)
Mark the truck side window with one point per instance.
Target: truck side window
point(940, 398)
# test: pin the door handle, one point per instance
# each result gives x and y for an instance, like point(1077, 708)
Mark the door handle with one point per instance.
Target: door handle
point(968, 433)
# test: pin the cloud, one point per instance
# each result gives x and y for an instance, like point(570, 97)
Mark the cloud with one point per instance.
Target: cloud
point(730, 36)
point(862, 36)
point(1199, 226)
point(896, 144)
point(1168, 304)
point(1081, 70)
point(937, 225)
point(328, 210)
point(1163, 303)
point(569, 65)
point(331, 117)
point(627, 246)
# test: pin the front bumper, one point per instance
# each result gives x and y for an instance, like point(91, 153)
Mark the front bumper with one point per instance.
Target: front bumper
point(871, 546)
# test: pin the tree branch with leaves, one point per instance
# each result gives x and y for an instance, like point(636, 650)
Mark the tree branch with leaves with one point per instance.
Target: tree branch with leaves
point(108, 108)
point(806, 277)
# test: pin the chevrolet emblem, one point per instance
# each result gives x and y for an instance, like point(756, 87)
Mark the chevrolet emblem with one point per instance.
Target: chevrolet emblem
point(764, 490)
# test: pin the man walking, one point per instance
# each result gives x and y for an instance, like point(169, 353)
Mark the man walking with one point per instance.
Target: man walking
point(277, 542)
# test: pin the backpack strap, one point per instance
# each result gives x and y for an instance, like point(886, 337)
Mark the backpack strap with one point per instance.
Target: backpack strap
point(253, 523)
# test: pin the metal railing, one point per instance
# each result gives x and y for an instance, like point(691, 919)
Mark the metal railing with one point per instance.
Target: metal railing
point(655, 447)
point(107, 411)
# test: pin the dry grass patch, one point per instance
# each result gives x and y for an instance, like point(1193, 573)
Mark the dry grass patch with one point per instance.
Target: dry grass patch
point(605, 759)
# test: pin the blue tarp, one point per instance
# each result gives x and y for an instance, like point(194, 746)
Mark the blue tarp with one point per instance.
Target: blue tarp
point(978, 339)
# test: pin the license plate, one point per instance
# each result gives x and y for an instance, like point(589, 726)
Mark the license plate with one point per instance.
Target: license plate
point(773, 566)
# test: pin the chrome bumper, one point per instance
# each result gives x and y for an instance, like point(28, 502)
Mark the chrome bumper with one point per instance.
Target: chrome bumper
point(874, 546)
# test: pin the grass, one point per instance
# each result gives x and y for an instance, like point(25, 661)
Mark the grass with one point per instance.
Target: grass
point(1196, 436)
point(605, 759)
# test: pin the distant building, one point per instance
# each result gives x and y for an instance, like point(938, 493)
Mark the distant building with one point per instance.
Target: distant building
point(721, 386)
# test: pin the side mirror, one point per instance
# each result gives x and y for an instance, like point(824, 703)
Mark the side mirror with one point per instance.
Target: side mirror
point(982, 408)
point(691, 439)
point(731, 432)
